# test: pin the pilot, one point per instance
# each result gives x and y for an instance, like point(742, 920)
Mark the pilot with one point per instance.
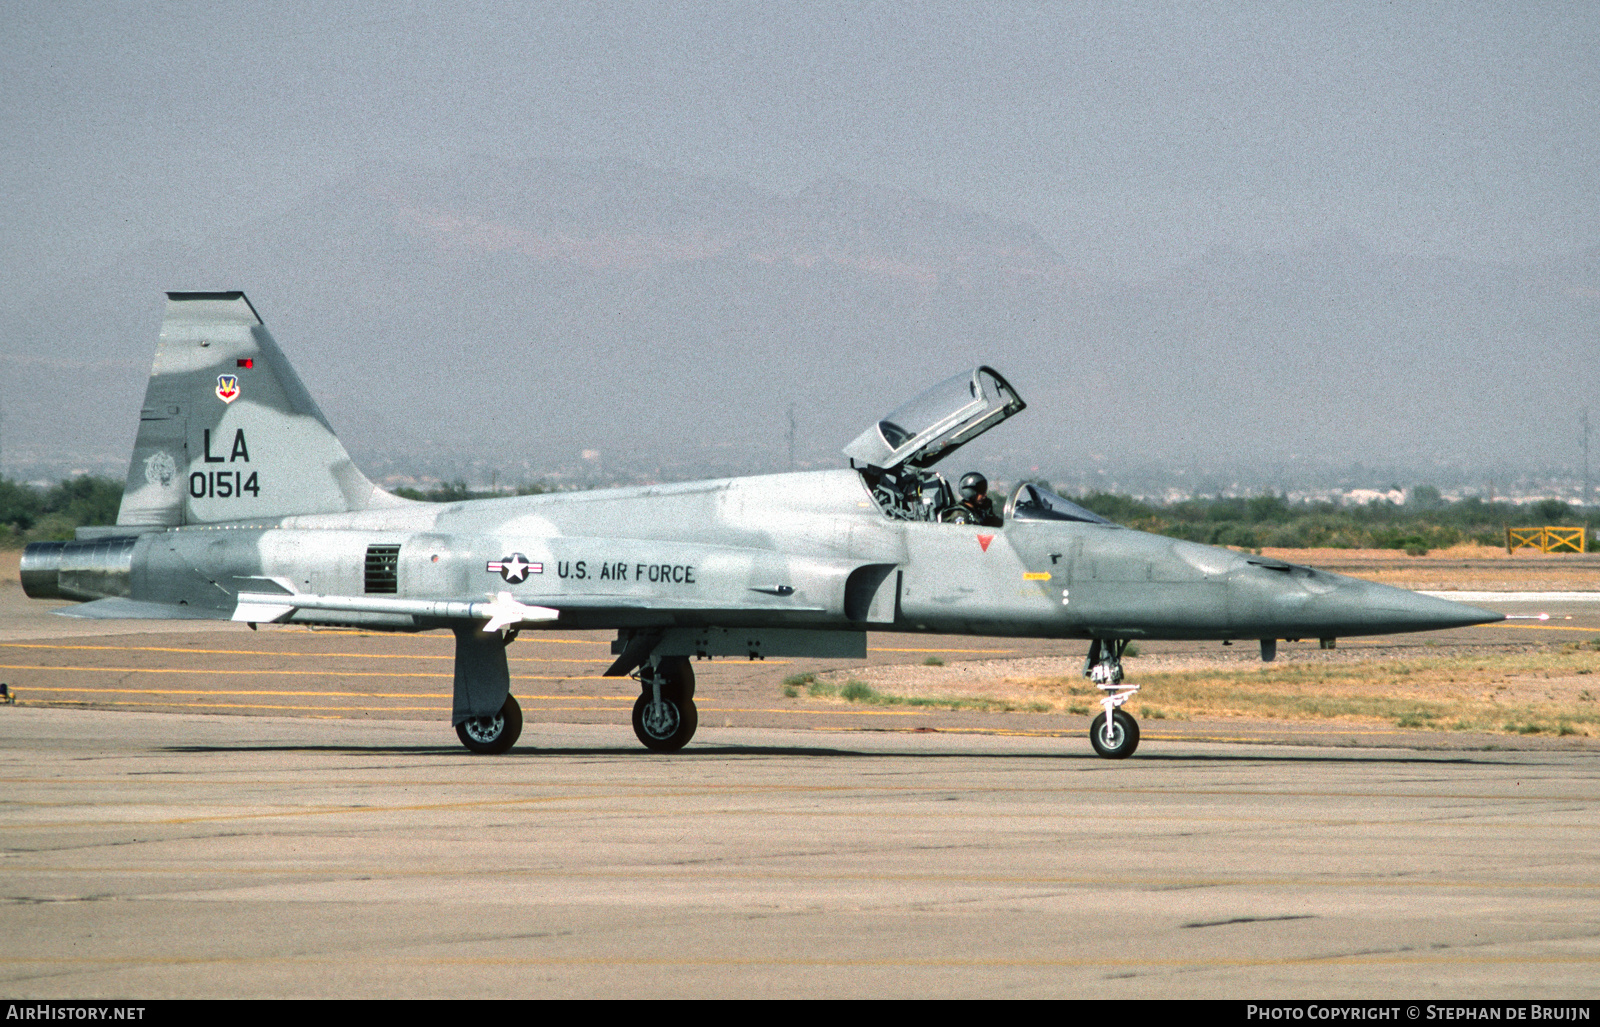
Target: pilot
point(975, 507)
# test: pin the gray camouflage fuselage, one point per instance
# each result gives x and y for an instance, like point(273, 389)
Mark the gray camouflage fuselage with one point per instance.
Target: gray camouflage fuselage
point(808, 550)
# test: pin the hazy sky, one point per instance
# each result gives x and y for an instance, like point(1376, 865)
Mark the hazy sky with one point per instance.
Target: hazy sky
point(1135, 139)
point(1130, 135)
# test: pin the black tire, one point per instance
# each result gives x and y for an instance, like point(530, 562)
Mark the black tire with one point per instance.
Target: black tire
point(1125, 736)
point(666, 730)
point(491, 736)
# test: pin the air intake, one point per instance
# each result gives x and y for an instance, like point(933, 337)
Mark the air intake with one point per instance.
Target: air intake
point(383, 570)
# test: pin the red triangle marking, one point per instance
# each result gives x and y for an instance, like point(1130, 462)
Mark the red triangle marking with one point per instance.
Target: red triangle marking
point(984, 540)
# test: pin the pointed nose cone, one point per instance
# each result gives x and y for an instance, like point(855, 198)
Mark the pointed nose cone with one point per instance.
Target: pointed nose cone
point(1373, 609)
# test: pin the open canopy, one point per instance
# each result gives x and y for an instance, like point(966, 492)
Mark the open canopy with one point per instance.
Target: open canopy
point(938, 422)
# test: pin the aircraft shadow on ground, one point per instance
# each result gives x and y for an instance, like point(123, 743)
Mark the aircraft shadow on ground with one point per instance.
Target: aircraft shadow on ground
point(814, 752)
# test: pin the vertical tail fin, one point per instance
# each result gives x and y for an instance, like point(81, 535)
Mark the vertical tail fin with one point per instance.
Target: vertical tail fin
point(228, 432)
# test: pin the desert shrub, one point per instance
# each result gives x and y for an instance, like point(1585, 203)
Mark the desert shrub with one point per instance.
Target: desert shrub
point(856, 691)
point(32, 514)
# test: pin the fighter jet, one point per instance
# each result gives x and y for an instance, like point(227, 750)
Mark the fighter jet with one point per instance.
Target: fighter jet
point(242, 504)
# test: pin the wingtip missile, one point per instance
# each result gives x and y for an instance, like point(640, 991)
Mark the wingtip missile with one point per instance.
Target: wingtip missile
point(505, 612)
point(500, 612)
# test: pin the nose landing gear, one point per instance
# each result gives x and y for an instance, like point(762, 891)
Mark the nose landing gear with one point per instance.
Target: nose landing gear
point(1114, 734)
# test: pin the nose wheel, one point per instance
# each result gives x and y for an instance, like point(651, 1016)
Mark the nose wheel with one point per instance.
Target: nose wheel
point(664, 715)
point(1115, 739)
point(1114, 734)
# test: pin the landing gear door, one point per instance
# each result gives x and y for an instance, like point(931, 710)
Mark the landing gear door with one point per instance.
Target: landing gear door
point(937, 423)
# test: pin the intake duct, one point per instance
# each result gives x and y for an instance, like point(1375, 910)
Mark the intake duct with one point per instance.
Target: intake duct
point(78, 570)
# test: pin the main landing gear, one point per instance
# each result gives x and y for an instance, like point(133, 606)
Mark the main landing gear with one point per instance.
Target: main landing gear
point(488, 719)
point(664, 717)
point(491, 736)
point(1114, 734)
point(486, 715)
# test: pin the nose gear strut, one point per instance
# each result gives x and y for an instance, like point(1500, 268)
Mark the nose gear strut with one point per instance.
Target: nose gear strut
point(1114, 733)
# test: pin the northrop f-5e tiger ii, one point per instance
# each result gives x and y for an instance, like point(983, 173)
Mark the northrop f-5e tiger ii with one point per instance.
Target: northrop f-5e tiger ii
point(242, 504)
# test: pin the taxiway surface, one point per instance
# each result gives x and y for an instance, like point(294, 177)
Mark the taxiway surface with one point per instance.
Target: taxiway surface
point(190, 855)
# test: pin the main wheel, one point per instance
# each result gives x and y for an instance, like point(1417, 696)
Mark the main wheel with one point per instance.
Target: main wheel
point(491, 736)
point(1124, 736)
point(666, 726)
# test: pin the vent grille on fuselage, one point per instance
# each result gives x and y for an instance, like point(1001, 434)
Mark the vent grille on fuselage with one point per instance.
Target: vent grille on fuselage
point(383, 570)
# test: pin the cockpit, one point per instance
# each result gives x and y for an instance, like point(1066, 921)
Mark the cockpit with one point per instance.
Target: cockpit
point(895, 456)
point(1032, 503)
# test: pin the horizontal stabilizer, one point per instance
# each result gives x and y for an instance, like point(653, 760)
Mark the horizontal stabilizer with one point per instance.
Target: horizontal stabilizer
point(262, 613)
point(117, 608)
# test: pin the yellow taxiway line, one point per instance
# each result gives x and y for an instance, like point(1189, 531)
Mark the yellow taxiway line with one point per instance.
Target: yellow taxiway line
point(838, 962)
point(333, 695)
point(941, 650)
point(291, 673)
point(269, 652)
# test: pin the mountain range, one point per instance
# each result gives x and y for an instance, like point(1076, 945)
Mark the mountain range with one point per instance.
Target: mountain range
point(527, 314)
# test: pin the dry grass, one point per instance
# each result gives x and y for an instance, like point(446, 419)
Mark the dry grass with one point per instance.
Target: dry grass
point(1528, 693)
point(1468, 551)
point(1551, 692)
point(1465, 567)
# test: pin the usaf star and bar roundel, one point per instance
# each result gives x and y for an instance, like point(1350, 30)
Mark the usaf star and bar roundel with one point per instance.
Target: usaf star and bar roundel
point(514, 568)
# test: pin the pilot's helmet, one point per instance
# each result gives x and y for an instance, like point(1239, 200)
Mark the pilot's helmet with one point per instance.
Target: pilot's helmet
point(973, 485)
